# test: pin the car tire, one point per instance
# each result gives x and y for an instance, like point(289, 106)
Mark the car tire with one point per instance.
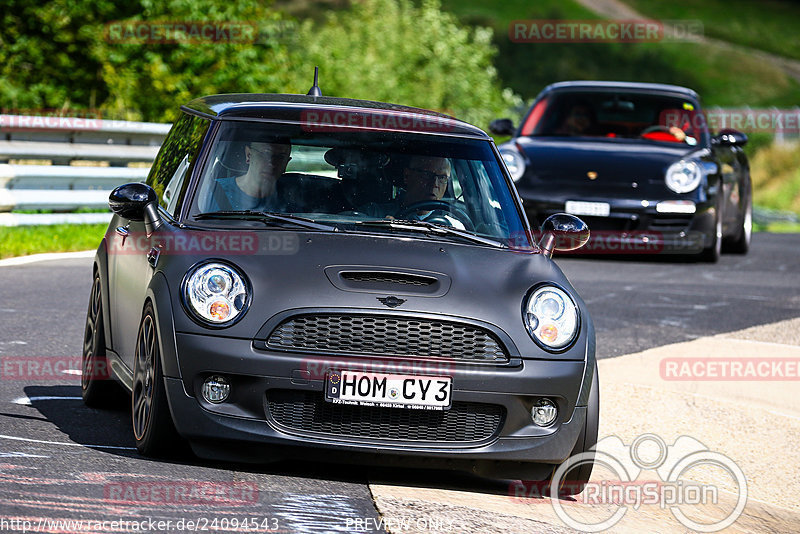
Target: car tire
point(97, 388)
point(153, 428)
point(711, 254)
point(741, 245)
point(577, 478)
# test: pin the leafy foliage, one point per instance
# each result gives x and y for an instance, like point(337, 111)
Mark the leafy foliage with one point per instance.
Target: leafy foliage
point(62, 56)
point(395, 51)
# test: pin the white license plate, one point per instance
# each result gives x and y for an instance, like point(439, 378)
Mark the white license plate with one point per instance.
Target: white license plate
point(391, 391)
point(596, 209)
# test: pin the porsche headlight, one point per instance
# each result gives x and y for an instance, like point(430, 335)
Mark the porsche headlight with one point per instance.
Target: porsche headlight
point(216, 293)
point(514, 161)
point(684, 176)
point(551, 317)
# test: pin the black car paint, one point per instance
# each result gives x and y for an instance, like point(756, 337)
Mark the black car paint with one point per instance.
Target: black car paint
point(487, 287)
point(629, 172)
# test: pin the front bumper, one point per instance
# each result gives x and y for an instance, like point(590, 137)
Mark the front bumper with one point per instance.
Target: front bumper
point(635, 226)
point(247, 421)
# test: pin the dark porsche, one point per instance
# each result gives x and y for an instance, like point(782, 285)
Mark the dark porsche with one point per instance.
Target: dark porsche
point(638, 162)
point(322, 278)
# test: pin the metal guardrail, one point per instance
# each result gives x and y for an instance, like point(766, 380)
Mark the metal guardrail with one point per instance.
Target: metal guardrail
point(63, 188)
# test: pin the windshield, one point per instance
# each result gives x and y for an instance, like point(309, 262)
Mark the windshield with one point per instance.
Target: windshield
point(347, 180)
point(626, 115)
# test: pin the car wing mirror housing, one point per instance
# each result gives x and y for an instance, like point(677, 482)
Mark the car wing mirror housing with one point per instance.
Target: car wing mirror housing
point(563, 232)
point(729, 137)
point(502, 127)
point(137, 202)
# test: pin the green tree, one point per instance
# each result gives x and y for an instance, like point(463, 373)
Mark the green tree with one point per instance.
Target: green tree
point(395, 51)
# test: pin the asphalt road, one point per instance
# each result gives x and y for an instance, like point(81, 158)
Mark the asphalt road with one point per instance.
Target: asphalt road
point(60, 460)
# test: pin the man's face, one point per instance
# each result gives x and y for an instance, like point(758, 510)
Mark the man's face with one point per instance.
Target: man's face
point(268, 159)
point(426, 179)
point(579, 119)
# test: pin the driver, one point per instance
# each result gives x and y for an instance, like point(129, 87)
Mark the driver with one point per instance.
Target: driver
point(425, 179)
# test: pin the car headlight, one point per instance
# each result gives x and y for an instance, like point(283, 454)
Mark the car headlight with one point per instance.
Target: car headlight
point(551, 317)
point(514, 161)
point(216, 293)
point(684, 176)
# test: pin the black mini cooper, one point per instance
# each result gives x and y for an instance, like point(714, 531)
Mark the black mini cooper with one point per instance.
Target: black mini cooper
point(637, 161)
point(306, 274)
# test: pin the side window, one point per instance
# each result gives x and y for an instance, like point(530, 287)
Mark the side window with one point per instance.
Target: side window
point(169, 173)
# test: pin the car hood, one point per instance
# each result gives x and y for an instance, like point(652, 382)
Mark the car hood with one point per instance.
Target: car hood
point(617, 165)
point(475, 283)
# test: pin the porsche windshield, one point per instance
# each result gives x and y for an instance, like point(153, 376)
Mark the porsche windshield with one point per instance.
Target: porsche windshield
point(350, 179)
point(609, 114)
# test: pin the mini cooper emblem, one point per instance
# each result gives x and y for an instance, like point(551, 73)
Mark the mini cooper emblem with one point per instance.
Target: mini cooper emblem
point(391, 301)
point(592, 175)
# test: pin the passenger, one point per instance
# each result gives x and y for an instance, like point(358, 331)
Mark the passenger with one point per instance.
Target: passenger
point(257, 188)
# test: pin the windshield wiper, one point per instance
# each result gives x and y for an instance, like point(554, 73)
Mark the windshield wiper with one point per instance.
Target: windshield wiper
point(431, 228)
point(267, 217)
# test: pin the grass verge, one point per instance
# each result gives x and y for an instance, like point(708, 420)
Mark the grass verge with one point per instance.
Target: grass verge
point(769, 25)
point(24, 240)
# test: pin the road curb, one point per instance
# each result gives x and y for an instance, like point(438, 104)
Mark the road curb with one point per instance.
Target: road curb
point(35, 258)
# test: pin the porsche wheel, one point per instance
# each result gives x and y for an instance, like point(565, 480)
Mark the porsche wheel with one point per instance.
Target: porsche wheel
point(153, 428)
point(742, 243)
point(712, 253)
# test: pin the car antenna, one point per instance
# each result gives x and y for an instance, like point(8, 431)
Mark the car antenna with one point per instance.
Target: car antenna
point(315, 90)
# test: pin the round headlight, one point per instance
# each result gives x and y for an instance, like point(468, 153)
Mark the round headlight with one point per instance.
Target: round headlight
point(514, 161)
point(551, 317)
point(216, 293)
point(684, 176)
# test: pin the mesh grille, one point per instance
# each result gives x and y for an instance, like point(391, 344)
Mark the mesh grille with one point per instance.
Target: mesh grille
point(387, 336)
point(388, 278)
point(308, 411)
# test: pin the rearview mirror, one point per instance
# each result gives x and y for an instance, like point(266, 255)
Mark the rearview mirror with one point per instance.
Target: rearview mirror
point(563, 232)
point(728, 137)
point(136, 202)
point(502, 127)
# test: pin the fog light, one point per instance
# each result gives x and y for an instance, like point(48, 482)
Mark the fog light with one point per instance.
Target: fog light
point(544, 412)
point(216, 389)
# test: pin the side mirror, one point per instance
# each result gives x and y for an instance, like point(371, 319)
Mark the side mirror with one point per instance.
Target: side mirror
point(137, 202)
point(502, 127)
point(729, 137)
point(563, 232)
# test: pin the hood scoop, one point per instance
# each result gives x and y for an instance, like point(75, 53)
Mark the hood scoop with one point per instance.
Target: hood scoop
point(385, 280)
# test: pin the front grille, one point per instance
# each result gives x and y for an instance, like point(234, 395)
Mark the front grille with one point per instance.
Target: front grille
point(378, 335)
point(672, 223)
point(388, 278)
point(307, 411)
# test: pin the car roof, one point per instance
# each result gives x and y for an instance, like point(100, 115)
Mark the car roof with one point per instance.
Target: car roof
point(331, 111)
point(627, 86)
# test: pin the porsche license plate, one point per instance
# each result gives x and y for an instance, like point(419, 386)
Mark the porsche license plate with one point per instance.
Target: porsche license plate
point(596, 209)
point(392, 391)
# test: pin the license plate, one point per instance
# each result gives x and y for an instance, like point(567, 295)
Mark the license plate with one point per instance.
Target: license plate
point(391, 391)
point(596, 209)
